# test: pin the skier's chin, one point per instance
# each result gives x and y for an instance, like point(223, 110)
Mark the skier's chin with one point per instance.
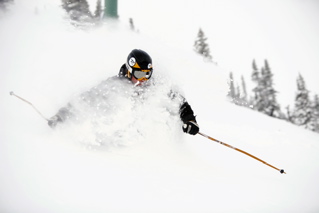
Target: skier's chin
point(138, 82)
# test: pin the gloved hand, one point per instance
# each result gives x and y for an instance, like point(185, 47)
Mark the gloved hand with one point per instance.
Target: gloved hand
point(191, 127)
point(53, 121)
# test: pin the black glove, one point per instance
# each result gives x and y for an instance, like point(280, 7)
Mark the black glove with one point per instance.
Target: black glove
point(191, 127)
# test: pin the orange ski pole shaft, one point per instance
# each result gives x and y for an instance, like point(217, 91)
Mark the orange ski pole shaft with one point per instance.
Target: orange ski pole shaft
point(242, 151)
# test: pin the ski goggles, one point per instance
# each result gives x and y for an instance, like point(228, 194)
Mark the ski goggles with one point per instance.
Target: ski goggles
point(140, 74)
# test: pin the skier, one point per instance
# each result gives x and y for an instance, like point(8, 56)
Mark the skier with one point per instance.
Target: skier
point(137, 70)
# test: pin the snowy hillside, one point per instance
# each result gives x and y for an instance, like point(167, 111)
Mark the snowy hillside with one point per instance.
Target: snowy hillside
point(138, 159)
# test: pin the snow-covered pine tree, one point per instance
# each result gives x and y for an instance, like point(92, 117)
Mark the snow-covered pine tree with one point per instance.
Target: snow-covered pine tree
point(264, 99)
point(4, 4)
point(231, 92)
point(132, 26)
point(288, 116)
point(255, 77)
point(302, 111)
point(255, 73)
point(261, 101)
point(78, 10)
point(201, 46)
point(98, 10)
point(315, 113)
point(243, 95)
point(237, 95)
point(313, 122)
point(268, 95)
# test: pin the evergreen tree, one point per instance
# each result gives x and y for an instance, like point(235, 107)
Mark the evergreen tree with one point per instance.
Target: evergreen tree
point(255, 74)
point(232, 92)
point(256, 99)
point(302, 112)
point(201, 46)
point(243, 95)
point(237, 99)
point(237, 94)
point(269, 101)
point(78, 10)
point(4, 4)
point(288, 116)
point(131, 24)
point(98, 10)
point(264, 99)
point(315, 114)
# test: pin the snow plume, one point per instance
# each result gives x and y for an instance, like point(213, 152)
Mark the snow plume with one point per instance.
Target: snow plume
point(116, 113)
point(127, 152)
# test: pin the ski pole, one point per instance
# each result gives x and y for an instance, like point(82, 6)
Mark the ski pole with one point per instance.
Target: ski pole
point(239, 150)
point(28, 102)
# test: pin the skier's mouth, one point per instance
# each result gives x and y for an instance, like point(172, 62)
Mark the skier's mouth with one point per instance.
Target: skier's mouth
point(138, 82)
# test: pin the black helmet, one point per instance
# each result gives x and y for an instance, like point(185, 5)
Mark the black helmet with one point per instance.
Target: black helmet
point(139, 64)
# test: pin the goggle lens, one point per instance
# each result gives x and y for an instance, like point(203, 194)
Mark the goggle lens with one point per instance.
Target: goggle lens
point(142, 74)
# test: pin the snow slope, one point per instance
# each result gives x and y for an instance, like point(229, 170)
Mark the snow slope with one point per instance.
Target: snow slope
point(161, 170)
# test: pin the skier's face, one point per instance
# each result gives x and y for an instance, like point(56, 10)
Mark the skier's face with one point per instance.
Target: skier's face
point(140, 76)
point(138, 81)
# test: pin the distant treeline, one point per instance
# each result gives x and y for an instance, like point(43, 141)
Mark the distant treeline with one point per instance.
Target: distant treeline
point(304, 112)
point(262, 98)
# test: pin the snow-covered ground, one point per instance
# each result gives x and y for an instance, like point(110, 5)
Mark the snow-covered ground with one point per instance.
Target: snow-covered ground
point(149, 165)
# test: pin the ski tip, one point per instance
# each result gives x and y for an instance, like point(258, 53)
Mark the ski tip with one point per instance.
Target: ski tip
point(282, 171)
